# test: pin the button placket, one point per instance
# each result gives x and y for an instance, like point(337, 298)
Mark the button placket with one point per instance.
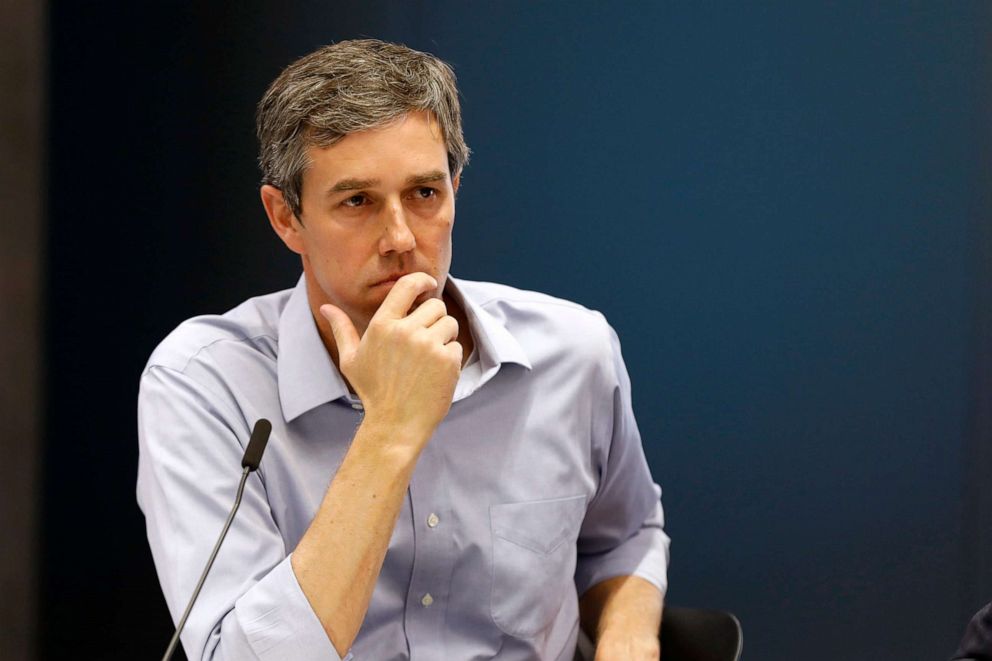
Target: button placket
point(429, 582)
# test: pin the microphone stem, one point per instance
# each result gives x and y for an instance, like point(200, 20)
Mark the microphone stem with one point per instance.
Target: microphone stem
point(203, 577)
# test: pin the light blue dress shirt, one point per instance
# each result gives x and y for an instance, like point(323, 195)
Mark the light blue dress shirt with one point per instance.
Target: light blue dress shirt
point(533, 488)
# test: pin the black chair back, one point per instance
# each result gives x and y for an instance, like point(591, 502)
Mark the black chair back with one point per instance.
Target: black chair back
point(694, 634)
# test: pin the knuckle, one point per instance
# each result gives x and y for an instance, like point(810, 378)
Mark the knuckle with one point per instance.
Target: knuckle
point(396, 332)
point(407, 333)
point(388, 328)
point(423, 340)
point(432, 306)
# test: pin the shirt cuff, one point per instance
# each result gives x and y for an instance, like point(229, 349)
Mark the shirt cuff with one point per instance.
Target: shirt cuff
point(280, 624)
point(644, 555)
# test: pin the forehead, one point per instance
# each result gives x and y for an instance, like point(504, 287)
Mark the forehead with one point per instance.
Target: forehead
point(411, 144)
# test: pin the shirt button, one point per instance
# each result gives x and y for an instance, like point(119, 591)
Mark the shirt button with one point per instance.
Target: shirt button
point(427, 599)
point(357, 406)
point(432, 520)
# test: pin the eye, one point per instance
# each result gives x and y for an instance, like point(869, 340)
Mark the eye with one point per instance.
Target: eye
point(425, 193)
point(355, 201)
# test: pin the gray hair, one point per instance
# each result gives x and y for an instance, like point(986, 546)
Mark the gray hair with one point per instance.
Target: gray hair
point(347, 87)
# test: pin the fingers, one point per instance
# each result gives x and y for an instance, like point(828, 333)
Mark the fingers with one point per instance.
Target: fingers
point(345, 335)
point(400, 298)
point(432, 315)
point(427, 313)
point(444, 329)
point(456, 352)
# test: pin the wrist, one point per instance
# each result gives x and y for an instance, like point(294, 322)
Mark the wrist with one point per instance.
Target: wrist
point(622, 646)
point(626, 630)
point(396, 441)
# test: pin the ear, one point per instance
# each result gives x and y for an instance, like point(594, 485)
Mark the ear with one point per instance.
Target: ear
point(457, 180)
point(282, 218)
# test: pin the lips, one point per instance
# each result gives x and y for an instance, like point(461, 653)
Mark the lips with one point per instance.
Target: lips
point(388, 280)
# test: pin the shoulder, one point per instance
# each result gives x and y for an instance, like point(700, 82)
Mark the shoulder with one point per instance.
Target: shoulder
point(515, 306)
point(545, 323)
point(252, 327)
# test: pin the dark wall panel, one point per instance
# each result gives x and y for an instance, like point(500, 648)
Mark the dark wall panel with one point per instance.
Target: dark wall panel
point(778, 208)
point(22, 88)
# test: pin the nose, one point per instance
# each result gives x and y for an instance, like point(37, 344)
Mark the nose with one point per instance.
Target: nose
point(396, 235)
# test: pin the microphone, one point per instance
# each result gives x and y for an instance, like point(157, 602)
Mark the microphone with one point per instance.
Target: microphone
point(249, 463)
point(256, 445)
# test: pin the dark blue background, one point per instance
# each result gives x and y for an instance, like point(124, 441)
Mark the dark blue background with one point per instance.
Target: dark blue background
point(781, 208)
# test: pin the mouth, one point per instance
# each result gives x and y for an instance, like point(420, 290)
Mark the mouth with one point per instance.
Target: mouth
point(389, 280)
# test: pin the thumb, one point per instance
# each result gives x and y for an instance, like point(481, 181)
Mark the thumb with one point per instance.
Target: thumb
point(345, 335)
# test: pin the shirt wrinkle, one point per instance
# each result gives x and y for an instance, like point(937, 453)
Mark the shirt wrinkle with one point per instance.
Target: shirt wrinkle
point(221, 400)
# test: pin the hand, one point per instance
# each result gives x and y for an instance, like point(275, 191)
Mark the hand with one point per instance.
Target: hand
point(627, 647)
point(406, 366)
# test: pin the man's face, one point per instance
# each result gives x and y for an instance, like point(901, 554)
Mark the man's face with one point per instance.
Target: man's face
point(377, 205)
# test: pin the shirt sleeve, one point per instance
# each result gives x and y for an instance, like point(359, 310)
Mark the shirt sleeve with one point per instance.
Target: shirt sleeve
point(623, 530)
point(191, 441)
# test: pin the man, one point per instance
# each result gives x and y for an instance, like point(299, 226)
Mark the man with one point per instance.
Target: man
point(454, 470)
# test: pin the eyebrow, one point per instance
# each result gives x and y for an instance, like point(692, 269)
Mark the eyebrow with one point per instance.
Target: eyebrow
point(352, 184)
point(413, 180)
point(426, 178)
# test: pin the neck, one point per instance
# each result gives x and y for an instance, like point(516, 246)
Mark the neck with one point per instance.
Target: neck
point(464, 332)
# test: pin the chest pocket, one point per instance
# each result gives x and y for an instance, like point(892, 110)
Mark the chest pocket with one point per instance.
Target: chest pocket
point(533, 561)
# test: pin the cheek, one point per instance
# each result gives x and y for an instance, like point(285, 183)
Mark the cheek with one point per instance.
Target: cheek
point(440, 244)
point(444, 229)
point(337, 250)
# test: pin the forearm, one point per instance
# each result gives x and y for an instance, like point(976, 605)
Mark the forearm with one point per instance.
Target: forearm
point(337, 562)
point(404, 368)
point(623, 613)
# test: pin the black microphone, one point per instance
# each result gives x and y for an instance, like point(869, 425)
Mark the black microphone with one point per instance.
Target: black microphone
point(253, 456)
point(256, 445)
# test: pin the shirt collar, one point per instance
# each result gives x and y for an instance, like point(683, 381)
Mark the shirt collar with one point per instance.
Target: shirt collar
point(308, 377)
point(495, 344)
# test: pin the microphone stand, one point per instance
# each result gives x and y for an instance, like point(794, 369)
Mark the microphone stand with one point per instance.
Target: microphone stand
point(249, 463)
point(203, 577)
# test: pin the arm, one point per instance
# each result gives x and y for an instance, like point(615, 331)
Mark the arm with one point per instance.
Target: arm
point(621, 571)
point(191, 438)
point(353, 526)
point(623, 617)
point(404, 369)
point(254, 606)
